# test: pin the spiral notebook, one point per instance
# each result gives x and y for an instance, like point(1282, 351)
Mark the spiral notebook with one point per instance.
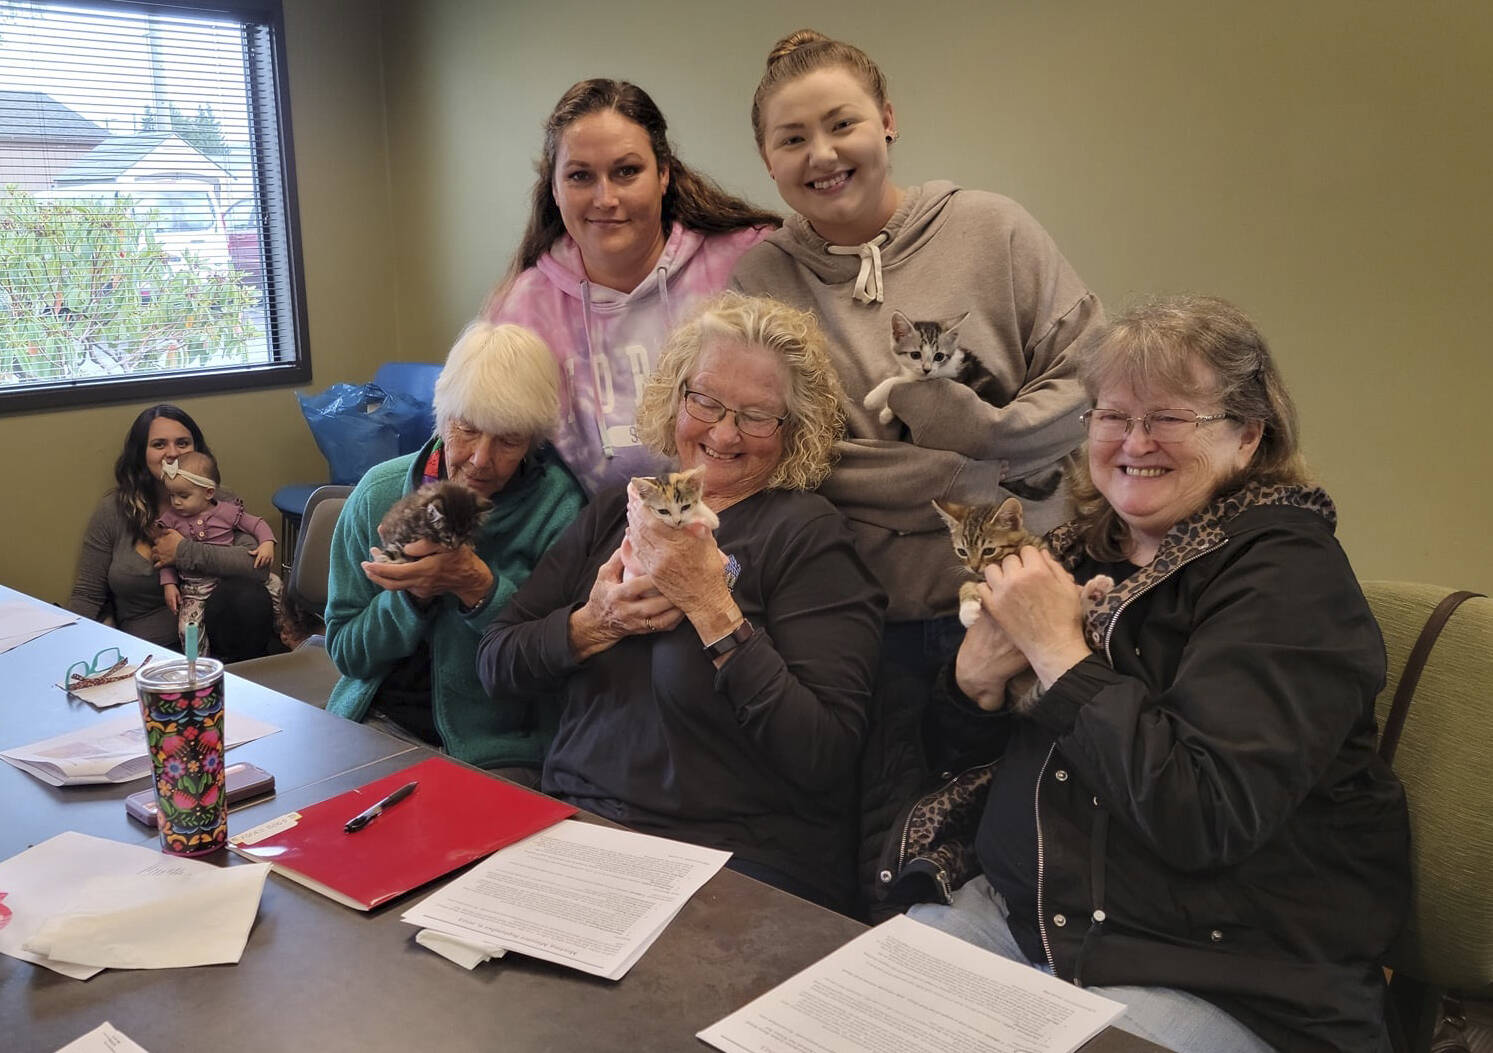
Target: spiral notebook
point(455, 815)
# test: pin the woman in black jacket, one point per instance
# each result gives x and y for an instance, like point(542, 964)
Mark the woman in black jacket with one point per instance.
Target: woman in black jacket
point(1191, 816)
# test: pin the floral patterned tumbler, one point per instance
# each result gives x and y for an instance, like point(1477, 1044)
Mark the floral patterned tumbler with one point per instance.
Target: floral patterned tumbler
point(184, 732)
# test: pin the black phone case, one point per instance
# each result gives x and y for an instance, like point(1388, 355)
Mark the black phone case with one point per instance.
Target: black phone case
point(244, 780)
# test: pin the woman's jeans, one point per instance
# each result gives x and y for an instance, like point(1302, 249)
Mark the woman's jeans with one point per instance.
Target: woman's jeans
point(1172, 1018)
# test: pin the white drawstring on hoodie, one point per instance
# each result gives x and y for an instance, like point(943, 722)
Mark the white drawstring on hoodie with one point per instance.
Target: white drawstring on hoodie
point(868, 281)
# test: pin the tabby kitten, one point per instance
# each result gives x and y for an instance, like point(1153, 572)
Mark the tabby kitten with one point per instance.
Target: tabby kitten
point(987, 534)
point(447, 514)
point(931, 351)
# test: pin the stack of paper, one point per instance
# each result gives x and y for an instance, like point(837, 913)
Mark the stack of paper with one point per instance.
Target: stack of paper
point(113, 751)
point(915, 989)
point(80, 904)
point(587, 896)
point(22, 622)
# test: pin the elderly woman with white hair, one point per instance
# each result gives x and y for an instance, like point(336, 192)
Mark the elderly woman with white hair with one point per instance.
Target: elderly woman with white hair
point(404, 635)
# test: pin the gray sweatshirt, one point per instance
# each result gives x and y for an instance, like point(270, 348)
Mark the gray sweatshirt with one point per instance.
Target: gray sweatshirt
point(947, 251)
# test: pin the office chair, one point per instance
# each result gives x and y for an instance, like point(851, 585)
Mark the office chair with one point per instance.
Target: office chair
point(307, 673)
point(1442, 754)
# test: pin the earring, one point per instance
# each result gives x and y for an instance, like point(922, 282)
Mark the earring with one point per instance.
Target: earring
point(893, 138)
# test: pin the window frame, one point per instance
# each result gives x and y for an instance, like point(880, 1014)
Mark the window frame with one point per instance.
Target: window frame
point(290, 313)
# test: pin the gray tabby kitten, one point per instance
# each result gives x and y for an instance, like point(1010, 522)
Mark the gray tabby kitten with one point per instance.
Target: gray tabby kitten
point(931, 351)
point(446, 514)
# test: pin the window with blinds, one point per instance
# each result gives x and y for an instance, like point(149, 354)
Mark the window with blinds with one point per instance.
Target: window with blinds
point(148, 236)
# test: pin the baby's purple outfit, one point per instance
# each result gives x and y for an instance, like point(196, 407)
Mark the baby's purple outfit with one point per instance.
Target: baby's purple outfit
point(216, 526)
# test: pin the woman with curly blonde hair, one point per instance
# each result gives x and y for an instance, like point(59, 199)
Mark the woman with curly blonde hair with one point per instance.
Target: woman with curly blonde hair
point(724, 708)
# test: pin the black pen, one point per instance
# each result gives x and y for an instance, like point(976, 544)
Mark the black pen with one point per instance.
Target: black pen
point(362, 819)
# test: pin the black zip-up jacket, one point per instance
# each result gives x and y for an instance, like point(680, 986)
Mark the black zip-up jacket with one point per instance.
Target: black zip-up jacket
point(1211, 813)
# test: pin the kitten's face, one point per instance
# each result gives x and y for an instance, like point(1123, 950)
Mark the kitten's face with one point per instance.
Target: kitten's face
point(927, 349)
point(986, 534)
point(447, 514)
point(675, 497)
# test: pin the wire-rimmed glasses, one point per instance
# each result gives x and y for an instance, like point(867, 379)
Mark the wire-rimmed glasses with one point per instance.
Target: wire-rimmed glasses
point(1163, 425)
point(708, 410)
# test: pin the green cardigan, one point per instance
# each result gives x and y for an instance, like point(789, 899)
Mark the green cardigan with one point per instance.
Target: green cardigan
point(370, 630)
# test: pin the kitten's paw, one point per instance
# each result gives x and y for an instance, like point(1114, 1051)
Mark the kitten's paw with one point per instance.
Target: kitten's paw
point(886, 416)
point(969, 612)
point(1098, 587)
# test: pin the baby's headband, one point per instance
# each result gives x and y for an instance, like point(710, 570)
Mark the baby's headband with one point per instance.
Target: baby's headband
point(170, 470)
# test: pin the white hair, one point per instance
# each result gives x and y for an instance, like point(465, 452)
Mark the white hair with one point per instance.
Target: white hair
point(500, 379)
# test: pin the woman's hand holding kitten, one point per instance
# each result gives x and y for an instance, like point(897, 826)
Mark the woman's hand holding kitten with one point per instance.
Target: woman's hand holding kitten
point(432, 571)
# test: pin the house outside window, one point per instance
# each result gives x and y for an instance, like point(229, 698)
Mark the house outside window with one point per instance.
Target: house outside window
point(149, 245)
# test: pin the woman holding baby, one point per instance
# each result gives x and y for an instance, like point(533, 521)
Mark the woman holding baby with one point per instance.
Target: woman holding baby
point(127, 546)
point(721, 696)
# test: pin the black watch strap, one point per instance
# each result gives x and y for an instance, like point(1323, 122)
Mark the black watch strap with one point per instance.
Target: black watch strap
point(731, 641)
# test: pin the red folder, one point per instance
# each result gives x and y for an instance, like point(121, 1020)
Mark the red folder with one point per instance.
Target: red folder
point(455, 815)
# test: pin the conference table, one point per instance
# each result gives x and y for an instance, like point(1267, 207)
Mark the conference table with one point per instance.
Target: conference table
point(319, 975)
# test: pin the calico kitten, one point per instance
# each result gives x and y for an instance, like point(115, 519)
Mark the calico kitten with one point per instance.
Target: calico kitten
point(931, 351)
point(987, 534)
point(678, 498)
point(447, 514)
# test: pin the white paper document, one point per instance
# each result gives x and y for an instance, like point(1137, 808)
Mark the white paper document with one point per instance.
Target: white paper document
point(106, 1038)
point(112, 751)
point(583, 895)
point(79, 904)
point(22, 622)
point(912, 988)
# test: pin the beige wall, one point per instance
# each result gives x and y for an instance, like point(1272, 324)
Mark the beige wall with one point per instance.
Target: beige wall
point(1325, 165)
point(65, 458)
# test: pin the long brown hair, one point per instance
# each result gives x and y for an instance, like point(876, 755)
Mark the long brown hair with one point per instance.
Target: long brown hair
point(691, 198)
point(1199, 346)
point(805, 51)
point(137, 493)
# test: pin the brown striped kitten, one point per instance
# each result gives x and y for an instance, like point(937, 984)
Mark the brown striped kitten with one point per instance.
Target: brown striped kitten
point(987, 534)
point(446, 513)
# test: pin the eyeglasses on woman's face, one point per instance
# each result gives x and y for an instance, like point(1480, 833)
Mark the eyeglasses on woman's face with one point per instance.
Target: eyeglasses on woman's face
point(709, 410)
point(1163, 425)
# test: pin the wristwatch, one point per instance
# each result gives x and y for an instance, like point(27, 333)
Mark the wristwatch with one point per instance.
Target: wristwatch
point(731, 641)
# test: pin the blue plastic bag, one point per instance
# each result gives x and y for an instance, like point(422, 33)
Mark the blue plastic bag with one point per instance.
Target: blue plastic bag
point(359, 425)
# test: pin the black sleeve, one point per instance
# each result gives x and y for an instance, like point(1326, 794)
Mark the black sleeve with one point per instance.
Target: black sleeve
point(1283, 662)
point(526, 652)
point(801, 686)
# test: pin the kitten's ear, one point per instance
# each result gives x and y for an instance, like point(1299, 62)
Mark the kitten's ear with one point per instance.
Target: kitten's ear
point(952, 327)
point(435, 512)
point(693, 474)
point(1008, 515)
point(901, 326)
point(646, 487)
point(951, 513)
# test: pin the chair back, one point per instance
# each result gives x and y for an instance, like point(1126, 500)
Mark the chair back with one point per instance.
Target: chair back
point(313, 554)
point(416, 379)
point(1444, 755)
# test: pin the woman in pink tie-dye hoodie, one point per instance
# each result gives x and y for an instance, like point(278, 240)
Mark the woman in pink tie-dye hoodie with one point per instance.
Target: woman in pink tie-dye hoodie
point(622, 241)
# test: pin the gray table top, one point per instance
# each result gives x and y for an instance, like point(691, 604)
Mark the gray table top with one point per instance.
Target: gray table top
point(318, 975)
